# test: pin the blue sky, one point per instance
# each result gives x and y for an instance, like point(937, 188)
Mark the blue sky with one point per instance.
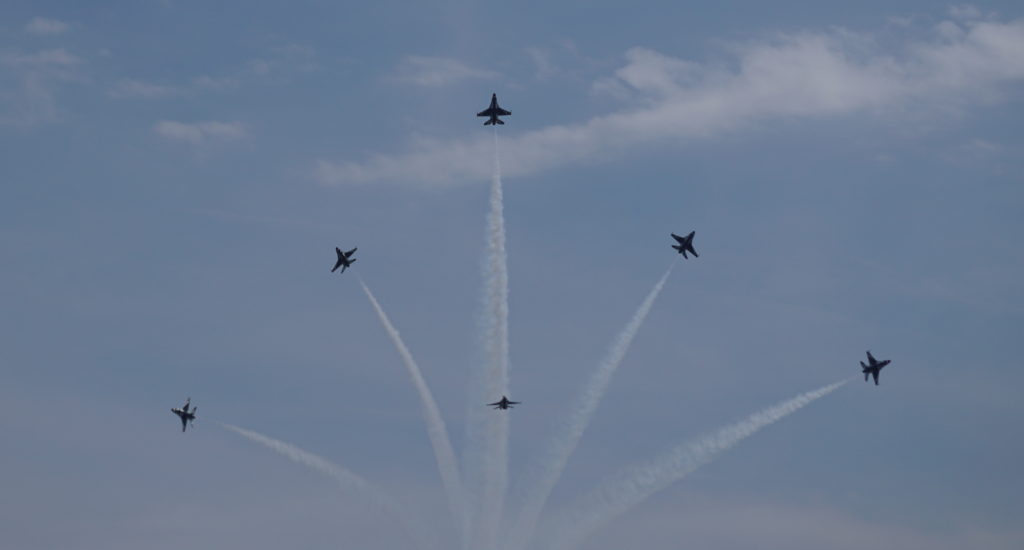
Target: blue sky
point(175, 175)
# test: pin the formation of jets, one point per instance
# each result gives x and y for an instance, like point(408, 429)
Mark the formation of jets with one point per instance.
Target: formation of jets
point(682, 246)
point(187, 416)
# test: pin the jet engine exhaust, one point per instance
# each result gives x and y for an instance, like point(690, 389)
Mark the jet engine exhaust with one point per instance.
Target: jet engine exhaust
point(550, 467)
point(344, 477)
point(447, 464)
point(638, 482)
point(487, 433)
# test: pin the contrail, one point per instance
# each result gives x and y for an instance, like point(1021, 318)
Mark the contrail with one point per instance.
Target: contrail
point(447, 464)
point(487, 437)
point(553, 462)
point(638, 482)
point(345, 478)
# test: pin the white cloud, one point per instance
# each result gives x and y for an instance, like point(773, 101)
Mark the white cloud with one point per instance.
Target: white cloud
point(29, 83)
point(198, 133)
point(282, 61)
point(130, 87)
point(965, 12)
point(437, 71)
point(803, 75)
point(40, 60)
point(542, 60)
point(42, 25)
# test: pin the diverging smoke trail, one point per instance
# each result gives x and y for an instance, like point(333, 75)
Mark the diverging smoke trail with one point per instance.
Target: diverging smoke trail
point(487, 432)
point(447, 465)
point(638, 482)
point(549, 469)
point(345, 478)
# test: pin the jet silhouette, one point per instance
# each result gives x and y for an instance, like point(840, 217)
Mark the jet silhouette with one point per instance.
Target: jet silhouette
point(494, 112)
point(873, 367)
point(503, 404)
point(685, 244)
point(186, 416)
point(345, 259)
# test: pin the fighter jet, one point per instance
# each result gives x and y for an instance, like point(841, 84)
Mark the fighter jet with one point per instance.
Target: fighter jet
point(186, 416)
point(494, 112)
point(503, 404)
point(344, 259)
point(873, 367)
point(685, 244)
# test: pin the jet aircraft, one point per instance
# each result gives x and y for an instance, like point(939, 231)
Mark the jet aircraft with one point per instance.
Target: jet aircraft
point(494, 112)
point(186, 416)
point(344, 259)
point(685, 244)
point(873, 367)
point(503, 404)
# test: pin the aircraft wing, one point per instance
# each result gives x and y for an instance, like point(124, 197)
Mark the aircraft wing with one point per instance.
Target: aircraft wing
point(183, 422)
point(874, 373)
point(494, 404)
point(503, 112)
point(485, 112)
point(678, 239)
point(351, 252)
point(871, 359)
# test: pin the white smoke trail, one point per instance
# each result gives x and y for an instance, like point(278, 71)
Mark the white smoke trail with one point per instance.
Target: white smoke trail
point(487, 436)
point(447, 464)
point(344, 477)
point(638, 482)
point(553, 462)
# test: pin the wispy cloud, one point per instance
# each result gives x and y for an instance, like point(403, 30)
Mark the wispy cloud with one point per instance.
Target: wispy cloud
point(803, 75)
point(130, 87)
point(198, 133)
point(280, 61)
point(545, 67)
point(965, 11)
point(437, 71)
point(29, 82)
point(42, 25)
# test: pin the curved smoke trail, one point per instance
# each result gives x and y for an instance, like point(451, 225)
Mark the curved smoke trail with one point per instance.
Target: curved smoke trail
point(638, 482)
point(552, 464)
point(345, 478)
point(487, 436)
point(447, 464)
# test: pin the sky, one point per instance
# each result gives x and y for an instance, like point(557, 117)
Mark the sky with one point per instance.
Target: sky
point(175, 174)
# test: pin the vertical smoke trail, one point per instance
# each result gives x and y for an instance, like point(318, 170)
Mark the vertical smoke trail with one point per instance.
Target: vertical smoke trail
point(345, 478)
point(487, 436)
point(447, 465)
point(638, 482)
point(551, 465)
